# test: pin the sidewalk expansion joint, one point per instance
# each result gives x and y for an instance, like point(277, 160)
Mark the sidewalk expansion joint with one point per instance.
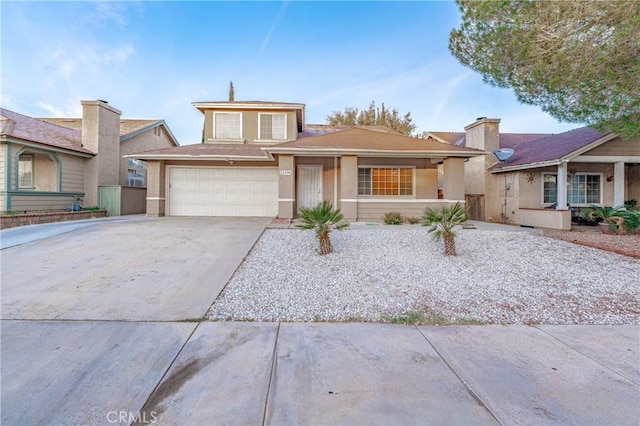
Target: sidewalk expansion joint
point(587, 356)
point(274, 362)
point(471, 391)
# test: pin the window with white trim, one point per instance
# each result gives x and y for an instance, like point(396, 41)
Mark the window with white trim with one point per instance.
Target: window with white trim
point(25, 171)
point(582, 188)
point(272, 127)
point(385, 181)
point(227, 125)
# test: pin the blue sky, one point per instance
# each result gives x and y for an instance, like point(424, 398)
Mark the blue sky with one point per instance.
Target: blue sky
point(152, 59)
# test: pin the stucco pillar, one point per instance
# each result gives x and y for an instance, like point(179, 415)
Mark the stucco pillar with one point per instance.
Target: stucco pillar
point(618, 184)
point(349, 187)
point(453, 179)
point(156, 188)
point(286, 187)
point(561, 183)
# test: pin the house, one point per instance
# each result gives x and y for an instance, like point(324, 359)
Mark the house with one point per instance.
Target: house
point(52, 163)
point(547, 175)
point(261, 159)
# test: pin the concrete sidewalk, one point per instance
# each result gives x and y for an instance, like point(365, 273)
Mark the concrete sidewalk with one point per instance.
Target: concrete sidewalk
point(317, 373)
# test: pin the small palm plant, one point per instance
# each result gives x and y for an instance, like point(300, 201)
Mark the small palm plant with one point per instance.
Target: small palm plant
point(322, 218)
point(442, 222)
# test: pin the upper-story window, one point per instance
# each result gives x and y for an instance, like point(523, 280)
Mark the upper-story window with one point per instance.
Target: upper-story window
point(273, 127)
point(227, 125)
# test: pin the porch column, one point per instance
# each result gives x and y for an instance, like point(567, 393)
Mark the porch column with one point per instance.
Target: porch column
point(618, 184)
point(286, 187)
point(561, 182)
point(349, 187)
point(156, 188)
point(453, 175)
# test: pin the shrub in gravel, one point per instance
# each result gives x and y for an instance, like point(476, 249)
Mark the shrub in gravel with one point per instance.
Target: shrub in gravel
point(322, 218)
point(393, 218)
point(411, 220)
point(442, 222)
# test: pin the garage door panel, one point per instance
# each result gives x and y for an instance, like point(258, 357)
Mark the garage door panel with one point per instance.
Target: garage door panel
point(202, 191)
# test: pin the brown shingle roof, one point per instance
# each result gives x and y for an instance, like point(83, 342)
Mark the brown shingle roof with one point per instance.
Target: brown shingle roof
point(127, 126)
point(30, 129)
point(207, 150)
point(359, 140)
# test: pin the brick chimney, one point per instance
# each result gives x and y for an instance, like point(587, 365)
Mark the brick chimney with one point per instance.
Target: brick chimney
point(101, 135)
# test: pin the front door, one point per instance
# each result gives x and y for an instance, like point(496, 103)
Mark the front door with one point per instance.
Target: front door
point(309, 193)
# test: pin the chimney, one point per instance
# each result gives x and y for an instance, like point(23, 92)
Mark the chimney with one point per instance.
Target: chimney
point(483, 134)
point(100, 135)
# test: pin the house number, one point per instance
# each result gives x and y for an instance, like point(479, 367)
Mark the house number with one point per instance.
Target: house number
point(286, 172)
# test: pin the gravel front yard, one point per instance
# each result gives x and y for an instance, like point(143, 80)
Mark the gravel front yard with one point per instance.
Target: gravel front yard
point(376, 272)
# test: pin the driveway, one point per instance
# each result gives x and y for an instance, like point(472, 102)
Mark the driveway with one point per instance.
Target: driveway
point(147, 269)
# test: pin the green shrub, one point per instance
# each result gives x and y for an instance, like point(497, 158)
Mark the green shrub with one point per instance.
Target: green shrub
point(412, 220)
point(393, 218)
point(91, 208)
point(9, 212)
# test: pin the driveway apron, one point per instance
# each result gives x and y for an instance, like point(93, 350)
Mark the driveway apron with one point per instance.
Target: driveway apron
point(163, 269)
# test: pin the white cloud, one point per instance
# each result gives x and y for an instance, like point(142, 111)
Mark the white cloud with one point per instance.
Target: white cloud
point(274, 24)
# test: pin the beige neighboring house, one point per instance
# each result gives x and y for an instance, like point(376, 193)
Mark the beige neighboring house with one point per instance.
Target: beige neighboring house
point(52, 163)
point(548, 178)
point(261, 159)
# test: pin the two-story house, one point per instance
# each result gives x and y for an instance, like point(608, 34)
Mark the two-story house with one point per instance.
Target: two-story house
point(261, 159)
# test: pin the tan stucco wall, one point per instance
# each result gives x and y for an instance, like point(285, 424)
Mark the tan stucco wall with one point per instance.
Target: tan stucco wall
point(156, 188)
point(101, 135)
point(349, 187)
point(374, 210)
point(146, 141)
point(286, 187)
point(453, 179)
point(250, 124)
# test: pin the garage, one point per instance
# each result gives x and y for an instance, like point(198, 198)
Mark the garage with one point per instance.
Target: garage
point(222, 191)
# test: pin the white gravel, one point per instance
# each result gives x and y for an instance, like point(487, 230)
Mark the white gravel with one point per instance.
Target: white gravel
point(498, 277)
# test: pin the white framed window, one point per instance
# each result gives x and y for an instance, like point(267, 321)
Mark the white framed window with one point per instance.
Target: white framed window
point(25, 171)
point(227, 125)
point(582, 188)
point(385, 181)
point(272, 126)
point(136, 173)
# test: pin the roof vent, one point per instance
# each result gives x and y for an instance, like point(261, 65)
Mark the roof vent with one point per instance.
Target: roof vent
point(480, 118)
point(103, 101)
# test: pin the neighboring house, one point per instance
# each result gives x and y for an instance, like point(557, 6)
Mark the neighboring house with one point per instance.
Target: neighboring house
point(51, 163)
point(547, 175)
point(260, 159)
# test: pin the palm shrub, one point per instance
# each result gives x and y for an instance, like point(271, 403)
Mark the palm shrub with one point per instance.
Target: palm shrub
point(619, 219)
point(322, 218)
point(442, 222)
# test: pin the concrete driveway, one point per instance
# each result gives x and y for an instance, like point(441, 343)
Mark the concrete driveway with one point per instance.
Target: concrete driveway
point(147, 269)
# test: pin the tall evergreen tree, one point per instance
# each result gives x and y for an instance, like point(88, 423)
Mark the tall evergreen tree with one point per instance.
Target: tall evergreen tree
point(232, 93)
point(577, 60)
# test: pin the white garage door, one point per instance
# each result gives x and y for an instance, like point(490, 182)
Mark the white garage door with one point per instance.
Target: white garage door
point(212, 191)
